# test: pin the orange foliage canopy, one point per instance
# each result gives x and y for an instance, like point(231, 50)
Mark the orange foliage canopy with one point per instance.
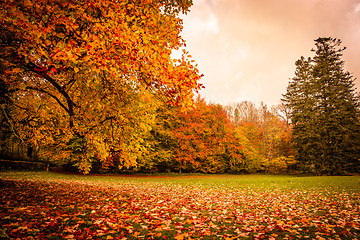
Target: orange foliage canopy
point(126, 39)
point(206, 141)
point(89, 66)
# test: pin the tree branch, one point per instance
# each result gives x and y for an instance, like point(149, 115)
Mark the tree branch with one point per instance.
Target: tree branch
point(8, 120)
point(51, 95)
point(70, 109)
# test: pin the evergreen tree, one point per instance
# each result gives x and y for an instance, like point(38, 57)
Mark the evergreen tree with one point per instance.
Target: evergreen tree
point(325, 111)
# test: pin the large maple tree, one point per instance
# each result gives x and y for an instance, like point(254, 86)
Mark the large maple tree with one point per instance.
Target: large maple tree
point(85, 64)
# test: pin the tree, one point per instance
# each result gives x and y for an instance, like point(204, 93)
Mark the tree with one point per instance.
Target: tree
point(324, 111)
point(85, 64)
point(264, 136)
point(243, 112)
point(204, 139)
point(198, 140)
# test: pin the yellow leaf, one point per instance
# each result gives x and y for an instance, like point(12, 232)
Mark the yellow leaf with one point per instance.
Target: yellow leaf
point(180, 237)
point(188, 221)
point(16, 70)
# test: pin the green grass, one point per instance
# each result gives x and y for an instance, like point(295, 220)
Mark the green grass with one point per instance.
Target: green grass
point(57, 205)
point(351, 183)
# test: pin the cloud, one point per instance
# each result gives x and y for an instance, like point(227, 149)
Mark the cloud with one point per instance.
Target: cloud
point(247, 49)
point(357, 8)
point(202, 19)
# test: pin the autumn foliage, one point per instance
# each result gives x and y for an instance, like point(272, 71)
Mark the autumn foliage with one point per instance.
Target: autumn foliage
point(206, 139)
point(265, 137)
point(199, 140)
point(93, 84)
point(80, 77)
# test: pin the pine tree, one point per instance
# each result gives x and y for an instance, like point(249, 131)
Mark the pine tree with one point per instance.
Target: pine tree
point(325, 111)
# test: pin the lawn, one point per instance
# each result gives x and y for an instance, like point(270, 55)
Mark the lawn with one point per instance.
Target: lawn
point(51, 205)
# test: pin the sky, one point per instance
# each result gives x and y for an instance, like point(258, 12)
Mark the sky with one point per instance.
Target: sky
point(247, 49)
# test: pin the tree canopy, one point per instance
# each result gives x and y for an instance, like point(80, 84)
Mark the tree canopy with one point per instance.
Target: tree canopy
point(80, 77)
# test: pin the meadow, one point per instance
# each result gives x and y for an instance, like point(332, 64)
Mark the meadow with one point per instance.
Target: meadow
point(48, 205)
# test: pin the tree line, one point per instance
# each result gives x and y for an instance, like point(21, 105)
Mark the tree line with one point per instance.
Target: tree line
point(93, 85)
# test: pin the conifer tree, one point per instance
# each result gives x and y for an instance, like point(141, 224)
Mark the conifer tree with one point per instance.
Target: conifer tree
point(325, 111)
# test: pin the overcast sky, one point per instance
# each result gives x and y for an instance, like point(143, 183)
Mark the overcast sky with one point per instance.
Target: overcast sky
point(247, 48)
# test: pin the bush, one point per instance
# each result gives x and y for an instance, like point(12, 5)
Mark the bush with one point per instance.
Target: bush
point(280, 164)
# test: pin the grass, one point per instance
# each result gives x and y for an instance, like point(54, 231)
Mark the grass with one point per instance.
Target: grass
point(56, 205)
point(350, 183)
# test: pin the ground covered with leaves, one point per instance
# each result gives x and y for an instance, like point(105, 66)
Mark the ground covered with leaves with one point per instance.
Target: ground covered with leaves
point(77, 209)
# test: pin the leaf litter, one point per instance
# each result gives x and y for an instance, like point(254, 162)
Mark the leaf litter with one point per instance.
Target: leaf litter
point(47, 209)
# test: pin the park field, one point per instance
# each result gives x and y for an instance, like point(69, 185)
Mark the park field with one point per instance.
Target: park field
point(48, 205)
